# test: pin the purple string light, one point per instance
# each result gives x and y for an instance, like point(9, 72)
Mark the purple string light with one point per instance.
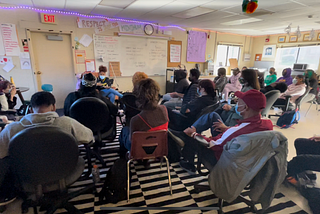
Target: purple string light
point(87, 16)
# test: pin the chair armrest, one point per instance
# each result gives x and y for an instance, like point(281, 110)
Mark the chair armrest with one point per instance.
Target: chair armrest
point(9, 111)
point(287, 102)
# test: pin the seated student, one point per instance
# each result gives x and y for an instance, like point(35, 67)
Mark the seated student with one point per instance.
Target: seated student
point(233, 85)
point(179, 120)
point(286, 76)
point(180, 87)
point(7, 98)
point(250, 105)
point(129, 99)
point(190, 93)
point(295, 90)
point(272, 77)
point(281, 86)
point(103, 82)
point(312, 81)
point(260, 78)
point(43, 108)
point(152, 117)
point(88, 89)
point(244, 68)
point(249, 80)
point(221, 80)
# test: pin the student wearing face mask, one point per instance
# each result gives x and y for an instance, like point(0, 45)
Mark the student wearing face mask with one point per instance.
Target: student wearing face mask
point(105, 86)
point(295, 90)
point(190, 93)
point(249, 80)
point(7, 98)
point(233, 85)
point(286, 76)
point(250, 105)
point(179, 120)
point(272, 77)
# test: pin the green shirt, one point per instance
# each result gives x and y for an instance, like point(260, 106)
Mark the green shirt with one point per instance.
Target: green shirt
point(270, 79)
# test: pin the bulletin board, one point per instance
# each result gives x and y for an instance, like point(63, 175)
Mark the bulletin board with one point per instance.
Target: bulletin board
point(174, 55)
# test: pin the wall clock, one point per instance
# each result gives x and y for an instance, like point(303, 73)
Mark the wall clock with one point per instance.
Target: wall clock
point(148, 29)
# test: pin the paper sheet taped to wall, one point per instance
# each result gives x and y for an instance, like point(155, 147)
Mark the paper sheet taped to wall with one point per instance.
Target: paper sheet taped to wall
point(10, 39)
point(196, 50)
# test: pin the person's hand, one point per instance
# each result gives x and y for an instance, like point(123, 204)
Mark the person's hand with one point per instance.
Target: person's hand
point(219, 126)
point(226, 107)
point(317, 139)
point(176, 110)
point(13, 92)
point(187, 111)
point(107, 87)
point(4, 119)
point(99, 84)
point(189, 131)
point(174, 95)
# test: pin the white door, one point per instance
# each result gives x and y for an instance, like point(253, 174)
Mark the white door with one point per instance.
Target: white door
point(54, 64)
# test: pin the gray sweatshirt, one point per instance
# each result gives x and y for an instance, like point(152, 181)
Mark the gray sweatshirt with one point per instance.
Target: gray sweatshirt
point(79, 131)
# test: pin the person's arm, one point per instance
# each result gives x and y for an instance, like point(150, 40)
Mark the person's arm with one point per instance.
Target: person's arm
point(4, 141)
point(267, 80)
point(83, 134)
point(274, 79)
point(193, 91)
point(67, 104)
point(176, 95)
point(295, 91)
point(4, 103)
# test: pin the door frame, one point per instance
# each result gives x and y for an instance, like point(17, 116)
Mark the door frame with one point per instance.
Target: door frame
point(31, 51)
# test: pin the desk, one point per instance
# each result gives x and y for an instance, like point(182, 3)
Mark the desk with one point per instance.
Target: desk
point(19, 92)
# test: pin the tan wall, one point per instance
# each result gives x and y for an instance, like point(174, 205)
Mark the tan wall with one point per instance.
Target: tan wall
point(25, 19)
point(259, 42)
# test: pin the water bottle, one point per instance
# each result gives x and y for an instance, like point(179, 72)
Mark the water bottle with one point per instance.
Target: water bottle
point(95, 174)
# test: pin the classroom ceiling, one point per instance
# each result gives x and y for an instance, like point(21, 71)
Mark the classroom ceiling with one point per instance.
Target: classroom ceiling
point(271, 17)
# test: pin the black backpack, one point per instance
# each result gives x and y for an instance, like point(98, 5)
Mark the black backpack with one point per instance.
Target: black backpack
point(115, 186)
point(288, 118)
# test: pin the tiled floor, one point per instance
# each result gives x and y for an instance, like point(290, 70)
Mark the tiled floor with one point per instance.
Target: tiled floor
point(307, 127)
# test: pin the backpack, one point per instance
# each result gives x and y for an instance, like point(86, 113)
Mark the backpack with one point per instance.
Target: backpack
point(115, 186)
point(288, 118)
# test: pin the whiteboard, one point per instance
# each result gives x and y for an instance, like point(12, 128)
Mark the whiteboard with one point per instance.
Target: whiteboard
point(134, 54)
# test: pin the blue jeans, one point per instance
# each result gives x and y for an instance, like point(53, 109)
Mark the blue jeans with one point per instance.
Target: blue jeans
point(124, 139)
point(110, 92)
point(206, 121)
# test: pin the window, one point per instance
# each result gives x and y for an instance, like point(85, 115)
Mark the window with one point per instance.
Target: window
point(286, 57)
point(226, 52)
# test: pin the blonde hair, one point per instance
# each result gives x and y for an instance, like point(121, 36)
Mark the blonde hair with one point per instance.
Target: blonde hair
point(138, 76)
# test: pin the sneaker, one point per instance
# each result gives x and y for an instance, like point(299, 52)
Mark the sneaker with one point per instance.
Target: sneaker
point(8, 199)
point(189, 167)
point(177, 136)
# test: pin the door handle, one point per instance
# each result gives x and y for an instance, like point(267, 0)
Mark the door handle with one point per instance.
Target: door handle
point(39, 72)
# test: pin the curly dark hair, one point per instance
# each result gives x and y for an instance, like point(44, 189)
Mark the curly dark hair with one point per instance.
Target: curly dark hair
point(208, 87)
point(102, 68)
point(251, 77)
point(4, 85)
point(147, 93)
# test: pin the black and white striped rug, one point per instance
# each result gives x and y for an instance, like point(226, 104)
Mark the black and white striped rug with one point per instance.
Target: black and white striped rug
point(149, 188)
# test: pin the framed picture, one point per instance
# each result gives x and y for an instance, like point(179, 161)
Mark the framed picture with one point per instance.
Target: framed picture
point(293, 38)
point(269, 51)
point(306, 37)
point(282, 39)
point(318, 38)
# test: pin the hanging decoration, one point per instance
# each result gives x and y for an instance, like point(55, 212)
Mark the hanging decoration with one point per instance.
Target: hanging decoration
point(312, 34)
point(298, 33)
point(288, 29)
point(249, 6)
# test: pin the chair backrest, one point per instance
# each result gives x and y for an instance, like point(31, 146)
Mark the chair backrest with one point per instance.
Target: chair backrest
point(91, 112)
point(302, 97)
point(209, 109)
point(47, 87)
point(148, 145)
point(43, 154)
point(271, 96)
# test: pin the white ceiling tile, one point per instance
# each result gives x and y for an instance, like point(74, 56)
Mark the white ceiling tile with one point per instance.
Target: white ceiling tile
point(81, 6)
point(195, 3)
point(56, 4)
point(285, 7)
point(116, 3)
point(197, 11)
point(141, 7)
point(106, 11)
point(18, 2)
point(223, 4)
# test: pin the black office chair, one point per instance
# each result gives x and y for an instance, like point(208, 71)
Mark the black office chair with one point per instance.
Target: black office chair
point(94, 114)
point(288, 106)
point(45, 160)
point(130, 108)
point(271, 97)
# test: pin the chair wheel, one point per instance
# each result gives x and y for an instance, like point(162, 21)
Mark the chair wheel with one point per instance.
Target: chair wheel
point(197, 190)
point(253, 209)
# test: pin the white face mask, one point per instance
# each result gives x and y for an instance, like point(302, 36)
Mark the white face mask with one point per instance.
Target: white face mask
point(295, 81)
point(102, 77)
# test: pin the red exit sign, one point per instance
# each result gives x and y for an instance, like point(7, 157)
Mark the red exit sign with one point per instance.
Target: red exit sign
point(48, 18)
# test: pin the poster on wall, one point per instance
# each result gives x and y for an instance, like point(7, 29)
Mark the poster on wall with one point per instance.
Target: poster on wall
point(175, 53)
point(92, 23)
point(80, 56)
point(269, 51)
point(90, 65)
point(10, 39)
point(196, 50)
point(2, 50)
